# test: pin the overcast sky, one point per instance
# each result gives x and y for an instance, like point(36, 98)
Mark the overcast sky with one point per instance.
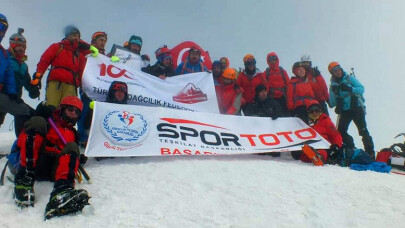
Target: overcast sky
point(365, 34)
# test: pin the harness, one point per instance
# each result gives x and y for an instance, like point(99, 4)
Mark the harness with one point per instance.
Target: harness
point(282, 89)
point(75, 74)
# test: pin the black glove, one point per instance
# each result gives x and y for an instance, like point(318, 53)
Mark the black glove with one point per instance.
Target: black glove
point(335, 89)
point(335, 151)
point(35, 125)
point(83, 159)
point(34, 92)
point(347, 88)
point(315, 72)
point(15, 98)
point(71, 148)
point(83, 45)
point(145, 57)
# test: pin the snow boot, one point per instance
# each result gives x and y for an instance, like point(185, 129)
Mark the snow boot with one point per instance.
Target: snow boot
point(24, 194)
point(312, 154)
point(66, 201)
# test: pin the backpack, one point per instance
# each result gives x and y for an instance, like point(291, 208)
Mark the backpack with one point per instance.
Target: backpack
point(355, 156)
point(13, 162)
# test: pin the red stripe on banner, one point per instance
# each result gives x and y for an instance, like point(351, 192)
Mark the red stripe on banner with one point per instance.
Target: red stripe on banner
point(172, 120)
point(398, 173)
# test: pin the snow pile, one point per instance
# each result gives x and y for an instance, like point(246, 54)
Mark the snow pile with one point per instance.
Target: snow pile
point(226, 191)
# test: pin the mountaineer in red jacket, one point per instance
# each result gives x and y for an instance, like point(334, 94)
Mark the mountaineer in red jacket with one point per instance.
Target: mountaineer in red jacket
point(322, 124)
point(277, 80)
point(299, 93)
point(45, 156)
point(249, 78)
point(229, 94)
point(317, 82)
point(67, 59)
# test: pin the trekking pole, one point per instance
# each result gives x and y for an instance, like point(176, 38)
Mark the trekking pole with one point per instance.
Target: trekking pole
point(86, 176)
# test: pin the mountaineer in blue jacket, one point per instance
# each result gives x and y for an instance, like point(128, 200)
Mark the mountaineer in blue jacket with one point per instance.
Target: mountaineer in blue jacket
point(192, 64)
point(9, 100)
point(346, 94)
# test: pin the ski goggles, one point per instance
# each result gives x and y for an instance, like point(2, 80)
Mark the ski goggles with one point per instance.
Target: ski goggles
point(96, 34)
point(336, 68)
point(272, 57)
point(73, 109)
point(120, 87)
point(251, 62)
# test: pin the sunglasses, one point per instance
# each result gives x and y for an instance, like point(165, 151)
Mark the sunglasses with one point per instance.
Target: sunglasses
point(73, 109)
point(314, 110)
point(251, 62)
point(336, 68)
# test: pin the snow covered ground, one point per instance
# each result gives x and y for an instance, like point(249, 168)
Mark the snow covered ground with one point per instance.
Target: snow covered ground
point(228, 191)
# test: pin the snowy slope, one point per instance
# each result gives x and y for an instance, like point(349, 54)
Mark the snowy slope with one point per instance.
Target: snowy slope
point(228, 191)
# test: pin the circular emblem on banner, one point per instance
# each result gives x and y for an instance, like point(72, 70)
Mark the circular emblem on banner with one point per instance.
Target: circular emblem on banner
point(125, 128)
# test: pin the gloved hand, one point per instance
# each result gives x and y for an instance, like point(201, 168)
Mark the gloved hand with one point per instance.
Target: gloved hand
point(145, 57)
point(94, 51)
point(15, 98)
point(115, 59)
point(334, 151)
point(36, 124)
point(70, 148)
point(345, 87)
point(315, 72)
point(82, 159)
point(91, 105)
point(335, 89)
point(34, 92)
point(36, 79)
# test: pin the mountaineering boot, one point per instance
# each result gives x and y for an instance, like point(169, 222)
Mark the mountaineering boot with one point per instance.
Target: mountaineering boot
point(24, 191)
point(312, 154)
point(66, 201)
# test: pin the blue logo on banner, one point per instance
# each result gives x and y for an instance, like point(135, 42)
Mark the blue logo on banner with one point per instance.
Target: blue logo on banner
point(125, 128)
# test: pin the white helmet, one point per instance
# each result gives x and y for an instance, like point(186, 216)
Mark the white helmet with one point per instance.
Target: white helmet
point(306, 57)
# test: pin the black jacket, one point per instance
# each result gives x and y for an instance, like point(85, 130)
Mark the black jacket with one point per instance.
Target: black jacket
point(266, 108)
point(159, 69)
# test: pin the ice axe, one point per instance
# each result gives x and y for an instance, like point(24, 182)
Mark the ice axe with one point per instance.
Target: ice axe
point(82, 170)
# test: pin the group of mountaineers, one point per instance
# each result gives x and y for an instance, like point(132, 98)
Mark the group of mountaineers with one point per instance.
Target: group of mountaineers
point(49, 143)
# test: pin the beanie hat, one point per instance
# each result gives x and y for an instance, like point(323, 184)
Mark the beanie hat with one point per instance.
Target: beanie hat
point(306, 58)
point(71, 29)
point(229, 73)
point(135, 40)
point(260, 88)
point(97, 35)
point(333, 65)
point(18, 38)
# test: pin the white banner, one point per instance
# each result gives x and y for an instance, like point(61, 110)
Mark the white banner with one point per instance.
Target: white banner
point(128, 58)
point(128, 130)
point(193, 92)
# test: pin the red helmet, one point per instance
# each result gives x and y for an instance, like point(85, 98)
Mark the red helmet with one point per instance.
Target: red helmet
point(73, 101)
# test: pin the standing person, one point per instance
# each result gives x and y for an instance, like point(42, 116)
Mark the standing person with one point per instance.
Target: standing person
point(44, 156)
point(98, 40)
point(277, 80)
point(66, 59)
point(16, 52)
point(163, 68)
point(135, 45)
point(317, 81)
point(10, 102)
point(323, 125)
point(249, 78)
point(229, 94)
point(217, 72)
point(192, 64)
point(299, 93)
point(346, 94)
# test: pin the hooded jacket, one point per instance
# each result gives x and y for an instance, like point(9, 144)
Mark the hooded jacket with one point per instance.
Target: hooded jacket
point(277, 79)
point(299, 93)
point(6, 73)
point(344, 100)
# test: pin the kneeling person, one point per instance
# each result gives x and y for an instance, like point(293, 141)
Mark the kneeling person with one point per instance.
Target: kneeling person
point(45, 156)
